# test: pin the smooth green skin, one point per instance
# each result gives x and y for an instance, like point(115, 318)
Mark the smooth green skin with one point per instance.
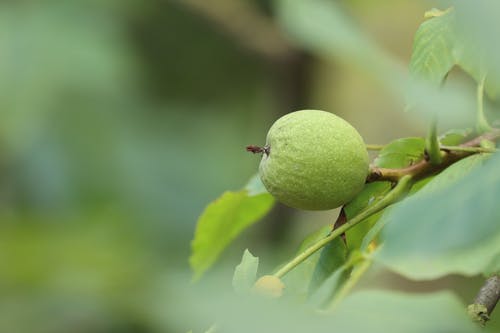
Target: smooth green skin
point(316, 160)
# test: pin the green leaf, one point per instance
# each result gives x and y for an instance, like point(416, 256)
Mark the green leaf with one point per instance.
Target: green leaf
point(384, 311)
point(477, 29)
point(493, 267)
point(355, 236)
point(457, 171)
point(221, 222)
point(372, 234)
point(419, 184)
point(324, 294)
point(454, 137)
point(401, 153)
point(371, 194)
point(356, 239)
point(450, 226)
point(444, 41)
point(331, 258)
point(298, 280)
point(453, 173)
point(245, 273)
point(397, 154)
point(374, 311)
point(433, 48)
point(327, 290)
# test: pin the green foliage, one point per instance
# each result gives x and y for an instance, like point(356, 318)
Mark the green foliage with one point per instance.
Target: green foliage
point(401, 153)
point(442, 214)
point(62, 266)
point(454, 137)
point(120, 119)
point(331, 258)
point(440, 44)
point(245, 273)
point(299, 282)
point(448, 227)
point(326, 291)
point(223, 220)
point(363, 311)
point(404, 313)
point(371, 194)
point(355, 236)
point(433, 48)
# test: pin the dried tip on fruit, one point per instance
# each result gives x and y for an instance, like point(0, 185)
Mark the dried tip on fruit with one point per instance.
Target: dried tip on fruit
point(269, 286)
point(255, 149)
point(258, 150)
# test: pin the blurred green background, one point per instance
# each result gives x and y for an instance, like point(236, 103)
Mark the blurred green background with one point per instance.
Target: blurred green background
point(121, 120)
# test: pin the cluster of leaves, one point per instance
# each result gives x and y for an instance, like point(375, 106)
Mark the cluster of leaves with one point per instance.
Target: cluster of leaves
point(446, 224)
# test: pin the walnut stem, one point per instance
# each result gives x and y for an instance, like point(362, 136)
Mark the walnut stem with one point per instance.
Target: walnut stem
point(424, 167)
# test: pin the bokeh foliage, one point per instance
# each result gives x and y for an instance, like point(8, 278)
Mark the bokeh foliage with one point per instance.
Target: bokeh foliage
point(120, 120)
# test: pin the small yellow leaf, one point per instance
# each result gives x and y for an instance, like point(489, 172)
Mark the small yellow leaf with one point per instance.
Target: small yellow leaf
point(434, 12)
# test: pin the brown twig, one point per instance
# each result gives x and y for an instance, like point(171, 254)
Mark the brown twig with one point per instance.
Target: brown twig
point(493, 135)
point(486, 300)
point(424, 167)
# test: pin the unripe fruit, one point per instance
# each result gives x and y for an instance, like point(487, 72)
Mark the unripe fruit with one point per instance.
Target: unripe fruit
point(313, 160)
point(269, 285)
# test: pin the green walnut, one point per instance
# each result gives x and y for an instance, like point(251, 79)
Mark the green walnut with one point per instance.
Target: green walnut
point(313, 160)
